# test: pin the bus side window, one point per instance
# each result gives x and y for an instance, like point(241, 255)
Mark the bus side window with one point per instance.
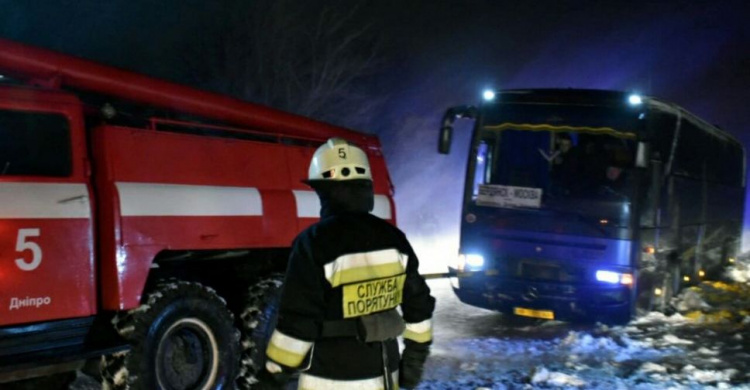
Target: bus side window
point(664, 125)
point(722, 162)
point(692, 144)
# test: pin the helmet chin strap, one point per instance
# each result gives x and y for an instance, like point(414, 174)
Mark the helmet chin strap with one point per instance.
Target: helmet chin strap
point(340, 197)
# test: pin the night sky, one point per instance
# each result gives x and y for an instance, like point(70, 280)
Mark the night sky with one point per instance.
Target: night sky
point(431, 55)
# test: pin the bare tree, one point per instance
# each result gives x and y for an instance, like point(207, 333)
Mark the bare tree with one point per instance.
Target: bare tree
point(316, 60)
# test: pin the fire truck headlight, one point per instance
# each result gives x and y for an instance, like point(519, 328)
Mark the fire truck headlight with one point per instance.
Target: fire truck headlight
point(614, 277)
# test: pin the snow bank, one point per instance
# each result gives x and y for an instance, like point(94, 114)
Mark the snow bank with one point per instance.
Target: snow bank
point(544, 376)
point(650, 367)
point(692, 299)
point(659, 318)
point(670, 339)
point(584, 346)
point(740, 271)
point(708, 376)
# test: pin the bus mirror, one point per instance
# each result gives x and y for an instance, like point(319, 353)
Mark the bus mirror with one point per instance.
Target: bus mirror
point(446, 130)
point(643, 155)
point(446, 136)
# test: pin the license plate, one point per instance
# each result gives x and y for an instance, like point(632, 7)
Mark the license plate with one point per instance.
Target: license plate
point(540, 271)
point(544, 314)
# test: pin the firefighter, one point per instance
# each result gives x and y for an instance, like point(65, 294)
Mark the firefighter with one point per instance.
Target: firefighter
point(338, 321)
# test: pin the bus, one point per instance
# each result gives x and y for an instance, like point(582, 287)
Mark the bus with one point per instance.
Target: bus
point(590, 205)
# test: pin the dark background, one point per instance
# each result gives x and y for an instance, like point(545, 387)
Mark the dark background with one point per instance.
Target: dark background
point(392, 67)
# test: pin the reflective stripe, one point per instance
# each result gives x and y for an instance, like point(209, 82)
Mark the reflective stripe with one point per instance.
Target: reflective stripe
point(308, 205)
point(179, 200)
point(382, 207)
point(44, 201)
point(420, 332)
point(309, 382)
point(358, 267)
point(287, 350)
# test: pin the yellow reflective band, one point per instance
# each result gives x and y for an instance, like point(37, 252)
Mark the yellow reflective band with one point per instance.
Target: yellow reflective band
point(420, 332)
point(362, 266)
point(354, 275)
point(287, 350)
point(546, 127)
point(289, 359)
point(372, 296)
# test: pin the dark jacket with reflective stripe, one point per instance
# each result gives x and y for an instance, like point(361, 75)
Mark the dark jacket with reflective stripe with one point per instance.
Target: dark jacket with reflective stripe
point(311, 296)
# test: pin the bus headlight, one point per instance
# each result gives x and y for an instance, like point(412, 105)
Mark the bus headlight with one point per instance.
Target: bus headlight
point(470, 262)
point(614, 277)
point(475, 261)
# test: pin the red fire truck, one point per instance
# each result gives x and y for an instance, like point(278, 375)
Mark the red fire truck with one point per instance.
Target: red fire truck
point(146, 222)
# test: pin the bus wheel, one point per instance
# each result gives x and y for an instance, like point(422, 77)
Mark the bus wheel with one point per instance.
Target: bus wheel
point(258, 321)
point(183, 338)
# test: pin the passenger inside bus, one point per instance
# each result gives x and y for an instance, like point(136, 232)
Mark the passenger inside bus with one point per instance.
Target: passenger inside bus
point(595, 166)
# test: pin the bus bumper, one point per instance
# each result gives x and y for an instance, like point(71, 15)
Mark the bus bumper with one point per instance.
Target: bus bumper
point(601, 302)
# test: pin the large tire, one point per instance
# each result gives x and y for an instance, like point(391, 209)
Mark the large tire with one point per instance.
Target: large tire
point(258, 321)
point(183, 338)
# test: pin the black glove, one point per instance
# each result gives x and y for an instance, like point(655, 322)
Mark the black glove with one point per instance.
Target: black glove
point(412, 363)
point(268, 381)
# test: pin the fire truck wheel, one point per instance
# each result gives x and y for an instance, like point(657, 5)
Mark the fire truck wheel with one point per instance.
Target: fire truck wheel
point(182, 338)
point(258, 320)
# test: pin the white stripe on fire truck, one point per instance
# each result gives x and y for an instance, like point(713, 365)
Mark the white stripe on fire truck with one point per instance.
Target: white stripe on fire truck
point(382, 207)
point(155, 199)
point(308, 205)
point(44, 201)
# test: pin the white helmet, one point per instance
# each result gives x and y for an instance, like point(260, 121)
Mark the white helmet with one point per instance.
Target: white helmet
point(339, 160)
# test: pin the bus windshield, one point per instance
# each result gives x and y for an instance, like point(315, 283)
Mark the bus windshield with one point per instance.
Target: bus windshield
point(584, 175)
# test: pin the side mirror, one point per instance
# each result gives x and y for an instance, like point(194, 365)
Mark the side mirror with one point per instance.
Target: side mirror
point(446, 130)
point(446, 138)
point(643, 155)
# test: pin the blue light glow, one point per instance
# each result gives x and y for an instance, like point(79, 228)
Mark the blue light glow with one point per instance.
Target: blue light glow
point(635, 99)
point(475, 261)
point(488, 95)
point(608, 276)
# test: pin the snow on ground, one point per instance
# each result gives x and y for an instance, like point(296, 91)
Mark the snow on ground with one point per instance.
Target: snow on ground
point(480, 349)
point(706, 345)
point(740, 270)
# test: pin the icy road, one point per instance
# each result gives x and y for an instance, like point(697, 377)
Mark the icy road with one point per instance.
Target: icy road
point(479, 349)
